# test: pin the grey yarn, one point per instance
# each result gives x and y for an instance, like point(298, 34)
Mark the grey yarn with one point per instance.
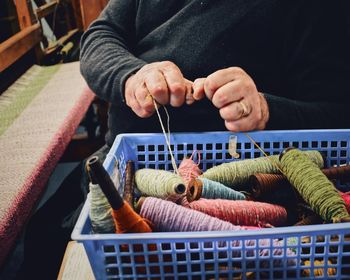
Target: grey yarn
point(100, 211)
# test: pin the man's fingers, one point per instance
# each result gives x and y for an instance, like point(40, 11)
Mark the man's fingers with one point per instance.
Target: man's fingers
point(219, 78)
point(176, 84)
point(235, 111)
point(189, 92)
point(198, 88)
point(144, 99)
point(228, 93)
point(157, 86)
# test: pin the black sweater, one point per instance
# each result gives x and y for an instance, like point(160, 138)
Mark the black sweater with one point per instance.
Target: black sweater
point(297, 52)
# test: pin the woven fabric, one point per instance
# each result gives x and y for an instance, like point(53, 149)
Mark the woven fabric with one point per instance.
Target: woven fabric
point(34, 142)
point(17, 97)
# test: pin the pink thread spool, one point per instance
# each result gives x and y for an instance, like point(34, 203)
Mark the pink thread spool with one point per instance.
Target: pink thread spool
point(189, 171)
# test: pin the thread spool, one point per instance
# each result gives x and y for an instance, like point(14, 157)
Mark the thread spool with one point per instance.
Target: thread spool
point(100, 211)
point(275, 189)
point(128, 193)
point(236, 174)
point(100, 175)
point(242, 212)
point(346, 198)
point(125, 219)
point(262, 183)
point(313, 186)
point(341, 173)
point(170, 217)
point(205, 188)
point(159, 183)
point(189, 170)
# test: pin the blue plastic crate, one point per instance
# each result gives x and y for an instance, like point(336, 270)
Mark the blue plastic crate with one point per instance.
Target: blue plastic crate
point(210, 255)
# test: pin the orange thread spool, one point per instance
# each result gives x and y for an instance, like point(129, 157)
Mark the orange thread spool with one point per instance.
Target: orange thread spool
point(125, 219)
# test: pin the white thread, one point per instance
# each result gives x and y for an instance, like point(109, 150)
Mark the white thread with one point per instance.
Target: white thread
point(166, 136)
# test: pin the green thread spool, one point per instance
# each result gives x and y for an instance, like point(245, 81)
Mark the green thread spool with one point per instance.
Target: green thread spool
point(236, 174)
point(159, 183)
point(313, 185)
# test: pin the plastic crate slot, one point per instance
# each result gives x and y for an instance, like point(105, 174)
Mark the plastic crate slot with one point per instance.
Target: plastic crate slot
point(228, 156)
point(218, 146)
point(161, 148)
point(141, 158)
point(141, 148)
point(343, 153)
point(333, 154)
point(152, 166)
point(295, 144)
point(190, 147)
point(112, 271)
point(180, 156)
point(304, 144)
point(209, 147)
point(343, 144)
point(110, 260)
point(140, 166)
point(286, 145)
point(276, 145)
point(219, 156)
point(334, 144)
point(314, 144)
point(324, 144)
point(109, 249)
point(257, 154)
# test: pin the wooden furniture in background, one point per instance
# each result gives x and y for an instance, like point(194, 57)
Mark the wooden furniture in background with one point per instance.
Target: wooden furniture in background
point(19, 44)
point(90, 10)
point(28, 38)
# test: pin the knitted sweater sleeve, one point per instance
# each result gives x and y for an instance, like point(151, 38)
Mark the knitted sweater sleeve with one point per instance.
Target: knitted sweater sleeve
point(315, 91)
point(106, 56)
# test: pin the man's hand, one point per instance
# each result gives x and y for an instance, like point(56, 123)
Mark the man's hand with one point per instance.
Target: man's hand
point(234, 93)
point(161, 81)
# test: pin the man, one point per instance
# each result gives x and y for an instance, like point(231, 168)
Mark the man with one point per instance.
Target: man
point(252, 65)
point(235, 65)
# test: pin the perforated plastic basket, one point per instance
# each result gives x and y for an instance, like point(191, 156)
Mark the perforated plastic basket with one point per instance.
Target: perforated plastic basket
point(212, 255)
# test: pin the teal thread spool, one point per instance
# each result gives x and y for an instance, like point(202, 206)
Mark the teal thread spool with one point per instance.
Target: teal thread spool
point(313, 185)
point(160, 183)
point(236, 174)
point(205, 188)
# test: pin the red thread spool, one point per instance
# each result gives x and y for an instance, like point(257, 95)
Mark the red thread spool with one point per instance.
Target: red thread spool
point(242, 212)
point(346, 198)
